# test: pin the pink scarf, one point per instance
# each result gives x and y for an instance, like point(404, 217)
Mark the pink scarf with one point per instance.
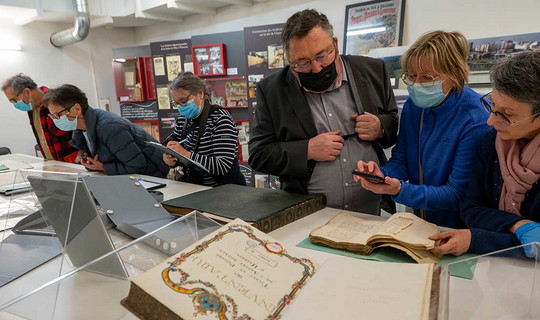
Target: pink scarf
point(520, 169)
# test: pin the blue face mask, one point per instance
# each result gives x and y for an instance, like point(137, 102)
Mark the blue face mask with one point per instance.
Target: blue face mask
point(426, 97)
point(65, 124)
point(190, 110)
point(23, 106)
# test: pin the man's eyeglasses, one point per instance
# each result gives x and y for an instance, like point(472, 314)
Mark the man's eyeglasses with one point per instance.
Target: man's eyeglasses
point(486, 102)
point(306, 63)
point(56, 116)
point(424, 80)
point(14, 99)
point(182, 102)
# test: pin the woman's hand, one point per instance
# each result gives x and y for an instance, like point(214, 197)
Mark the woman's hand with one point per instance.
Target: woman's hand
point(455, 242)
point(178, 148)
point(390, 186)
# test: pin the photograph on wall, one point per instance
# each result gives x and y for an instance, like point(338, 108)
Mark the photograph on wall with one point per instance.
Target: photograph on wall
point(392, 60)
point(168, 122)
point(276, 58)
point(253, 79)
point(258, 59)
point(236, 93)
point(485, 53)
point(174, 66)
point(209, 60)
point(163, 98)
point(373, 24)
point(159, 67)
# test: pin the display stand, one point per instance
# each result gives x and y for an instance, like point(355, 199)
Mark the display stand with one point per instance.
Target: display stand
point(26, 243)
point(505, 285)
point(85, 294)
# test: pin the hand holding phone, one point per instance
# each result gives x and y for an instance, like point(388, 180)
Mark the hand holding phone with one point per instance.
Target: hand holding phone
point(370, 177)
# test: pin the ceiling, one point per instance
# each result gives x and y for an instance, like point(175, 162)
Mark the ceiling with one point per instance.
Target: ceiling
point(114, 13)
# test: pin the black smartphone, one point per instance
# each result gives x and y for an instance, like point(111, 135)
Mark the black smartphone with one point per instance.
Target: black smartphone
point(369, 177)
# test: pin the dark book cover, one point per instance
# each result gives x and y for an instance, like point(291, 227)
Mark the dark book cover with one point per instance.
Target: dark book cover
point(266, 209)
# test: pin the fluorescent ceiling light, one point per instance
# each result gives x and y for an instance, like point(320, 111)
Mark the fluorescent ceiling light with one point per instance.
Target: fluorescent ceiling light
point(365, 31)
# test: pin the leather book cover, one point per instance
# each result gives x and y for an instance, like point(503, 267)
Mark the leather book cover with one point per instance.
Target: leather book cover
point(266, 209)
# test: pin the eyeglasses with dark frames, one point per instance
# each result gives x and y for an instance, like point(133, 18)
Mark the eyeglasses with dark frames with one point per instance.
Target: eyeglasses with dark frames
point(304, 64)
point(14, 99)
point(182, 102)
point(486, 102)
point(56, 116)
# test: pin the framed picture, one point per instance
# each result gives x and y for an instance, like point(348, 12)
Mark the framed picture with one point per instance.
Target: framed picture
point(209, 60)
point(373, 24)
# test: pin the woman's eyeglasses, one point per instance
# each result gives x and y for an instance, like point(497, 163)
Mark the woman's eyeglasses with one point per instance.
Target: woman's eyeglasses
point(486, 102)
point(424, 80)
point(56, 116)
point(182, 102)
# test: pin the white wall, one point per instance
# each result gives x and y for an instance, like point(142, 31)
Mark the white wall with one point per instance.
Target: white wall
point(475, 18)
point(86, 64)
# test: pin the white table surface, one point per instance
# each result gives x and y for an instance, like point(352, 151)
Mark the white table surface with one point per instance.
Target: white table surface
point(490, 295)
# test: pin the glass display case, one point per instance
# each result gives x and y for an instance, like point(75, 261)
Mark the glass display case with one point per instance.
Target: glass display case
point(129, 79)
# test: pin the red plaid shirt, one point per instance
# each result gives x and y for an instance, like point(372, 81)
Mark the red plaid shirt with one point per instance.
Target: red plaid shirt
point(59, 141)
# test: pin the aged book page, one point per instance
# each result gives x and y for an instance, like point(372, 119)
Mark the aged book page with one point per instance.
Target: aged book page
point(236, 271)
point(347, 228)
point(403, 231)
point(408, 228)
point(361, 289)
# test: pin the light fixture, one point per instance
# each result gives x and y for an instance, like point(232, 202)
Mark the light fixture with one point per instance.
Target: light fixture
point(365, 31)
point(120, 60)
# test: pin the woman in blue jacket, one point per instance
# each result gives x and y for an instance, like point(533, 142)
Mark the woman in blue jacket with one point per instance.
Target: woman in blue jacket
point(440, 127)
point(108, 142)
point(502, 206)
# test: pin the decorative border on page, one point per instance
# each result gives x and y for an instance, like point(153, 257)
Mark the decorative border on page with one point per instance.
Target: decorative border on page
point(207, 298)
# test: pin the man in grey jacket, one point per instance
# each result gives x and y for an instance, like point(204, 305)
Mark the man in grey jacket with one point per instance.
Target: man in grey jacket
point(321, 114)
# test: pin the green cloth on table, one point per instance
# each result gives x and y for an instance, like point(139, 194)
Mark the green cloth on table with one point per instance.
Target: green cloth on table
point(387, 254)
point(3, 167)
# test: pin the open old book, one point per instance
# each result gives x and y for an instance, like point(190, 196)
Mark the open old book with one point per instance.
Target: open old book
point(238, 272)
point(403, 231)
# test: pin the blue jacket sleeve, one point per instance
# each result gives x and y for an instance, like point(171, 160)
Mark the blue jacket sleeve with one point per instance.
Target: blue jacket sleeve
point(449, 195)
point(484, 241)
point(129, 158)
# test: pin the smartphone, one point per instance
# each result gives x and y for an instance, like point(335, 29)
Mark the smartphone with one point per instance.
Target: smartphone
point(369, 177)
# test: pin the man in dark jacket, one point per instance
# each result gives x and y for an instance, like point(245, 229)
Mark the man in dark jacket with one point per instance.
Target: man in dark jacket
point(321, 114)
point(108, 142)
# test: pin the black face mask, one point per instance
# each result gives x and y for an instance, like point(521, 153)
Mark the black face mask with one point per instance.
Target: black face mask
point(320, 81)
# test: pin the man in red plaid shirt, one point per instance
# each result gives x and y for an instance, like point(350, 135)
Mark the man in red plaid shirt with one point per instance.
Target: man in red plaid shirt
point(26, 96)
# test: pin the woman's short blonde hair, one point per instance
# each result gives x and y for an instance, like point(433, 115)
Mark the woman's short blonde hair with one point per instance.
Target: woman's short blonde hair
point(446, 52)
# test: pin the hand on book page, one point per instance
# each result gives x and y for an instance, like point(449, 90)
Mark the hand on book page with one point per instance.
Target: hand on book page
point(403, 231)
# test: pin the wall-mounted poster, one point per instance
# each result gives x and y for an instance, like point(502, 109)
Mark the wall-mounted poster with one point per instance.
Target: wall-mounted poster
point(159, 67)
point(174, 66)
point(163, 98)
point(373, 24)
point(209, 60)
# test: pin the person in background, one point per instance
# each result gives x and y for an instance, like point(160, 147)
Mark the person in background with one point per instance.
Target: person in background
point(441, 125)
point(502, 206)
point(320, 113)
point(204, 133)
point(108, 142)
point(26, 96)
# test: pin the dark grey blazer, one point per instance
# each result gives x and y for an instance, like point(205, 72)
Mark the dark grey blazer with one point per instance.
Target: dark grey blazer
point(283, 122)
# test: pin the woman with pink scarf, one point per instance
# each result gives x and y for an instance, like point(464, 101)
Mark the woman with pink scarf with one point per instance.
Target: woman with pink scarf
point(502, 206)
